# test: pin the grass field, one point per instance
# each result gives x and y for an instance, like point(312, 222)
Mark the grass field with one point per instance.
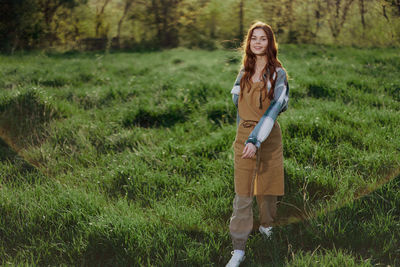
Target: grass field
point(126, 159)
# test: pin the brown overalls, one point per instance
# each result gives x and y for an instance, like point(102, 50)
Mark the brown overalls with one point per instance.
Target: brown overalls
point(261, 175)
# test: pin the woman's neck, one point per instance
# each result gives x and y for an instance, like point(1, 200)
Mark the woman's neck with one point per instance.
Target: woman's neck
point(260, 62)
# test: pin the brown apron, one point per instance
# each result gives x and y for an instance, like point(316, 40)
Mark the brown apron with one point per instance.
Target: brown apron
point(262, 174)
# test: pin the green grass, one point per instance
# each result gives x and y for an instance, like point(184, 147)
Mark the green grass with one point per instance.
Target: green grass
point(127, 159)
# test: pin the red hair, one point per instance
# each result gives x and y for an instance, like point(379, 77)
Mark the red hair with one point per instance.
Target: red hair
point(249, 60)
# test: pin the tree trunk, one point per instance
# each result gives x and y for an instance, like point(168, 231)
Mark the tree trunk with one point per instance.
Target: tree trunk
point(384, 13)
point(49, 9)
point(99, 17)
point(241, 15)
point(337, 21)
point(128, 4)
point(362, 13)
point(165, 18)
point(155, 9)
point(212, 27)
point(165, 29)
point(318, 16)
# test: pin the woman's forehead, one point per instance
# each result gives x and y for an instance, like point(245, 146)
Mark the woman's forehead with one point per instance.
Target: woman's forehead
point(259, 32)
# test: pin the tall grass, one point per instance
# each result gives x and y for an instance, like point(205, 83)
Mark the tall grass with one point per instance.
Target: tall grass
point(127, 159)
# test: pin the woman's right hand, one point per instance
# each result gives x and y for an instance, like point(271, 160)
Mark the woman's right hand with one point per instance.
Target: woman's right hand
point(249, 151)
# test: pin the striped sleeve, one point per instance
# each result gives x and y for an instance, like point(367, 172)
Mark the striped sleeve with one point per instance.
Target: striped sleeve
point(278, 105)
point(235, 94)
point(236, 88)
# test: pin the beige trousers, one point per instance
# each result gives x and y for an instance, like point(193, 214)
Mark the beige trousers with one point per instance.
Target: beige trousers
point(241, 222)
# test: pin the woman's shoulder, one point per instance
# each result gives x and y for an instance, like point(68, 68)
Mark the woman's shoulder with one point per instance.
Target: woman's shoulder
point(281, 72)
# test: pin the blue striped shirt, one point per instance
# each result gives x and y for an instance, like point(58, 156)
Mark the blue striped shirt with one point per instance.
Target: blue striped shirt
point(278, 104)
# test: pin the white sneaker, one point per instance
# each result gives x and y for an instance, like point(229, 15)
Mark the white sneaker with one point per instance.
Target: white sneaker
point(267, 231)
point(237, 258)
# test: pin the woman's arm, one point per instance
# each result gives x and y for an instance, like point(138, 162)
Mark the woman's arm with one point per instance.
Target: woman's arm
point(236, 88)
point(235, 93)
point(278, 104)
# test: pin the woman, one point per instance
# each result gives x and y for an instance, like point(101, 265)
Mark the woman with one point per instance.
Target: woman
point(260, 93)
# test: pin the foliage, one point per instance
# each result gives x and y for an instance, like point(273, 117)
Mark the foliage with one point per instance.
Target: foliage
point(207, 24)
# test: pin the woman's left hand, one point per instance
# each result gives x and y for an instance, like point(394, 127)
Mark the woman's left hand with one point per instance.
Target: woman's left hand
point(249, 151)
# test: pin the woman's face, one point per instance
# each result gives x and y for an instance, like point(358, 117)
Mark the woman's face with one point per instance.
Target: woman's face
point(258, 42)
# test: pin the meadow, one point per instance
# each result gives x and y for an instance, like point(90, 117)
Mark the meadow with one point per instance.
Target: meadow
point(126, 159)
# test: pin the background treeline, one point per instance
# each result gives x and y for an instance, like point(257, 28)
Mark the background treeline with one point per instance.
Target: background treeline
point(153, 24)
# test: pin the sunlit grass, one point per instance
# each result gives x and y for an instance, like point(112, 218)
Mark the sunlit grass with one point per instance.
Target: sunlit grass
point(127, 159)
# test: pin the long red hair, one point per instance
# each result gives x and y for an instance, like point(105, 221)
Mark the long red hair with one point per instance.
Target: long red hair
point(249, 60)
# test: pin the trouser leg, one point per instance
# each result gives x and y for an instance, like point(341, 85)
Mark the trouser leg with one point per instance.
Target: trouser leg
point(241, 222)
point(267, 209)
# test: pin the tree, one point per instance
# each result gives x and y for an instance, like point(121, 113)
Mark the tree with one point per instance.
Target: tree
point(198, 22)
point(49, 8)
point(361, 4)
point(391, 4)
point(127, 6)
point(165, 20)
point(19, 24)
point(337, 11)
point(100, 18)
point(241, 15)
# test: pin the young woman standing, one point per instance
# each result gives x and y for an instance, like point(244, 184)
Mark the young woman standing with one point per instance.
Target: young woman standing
point(260, 93)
